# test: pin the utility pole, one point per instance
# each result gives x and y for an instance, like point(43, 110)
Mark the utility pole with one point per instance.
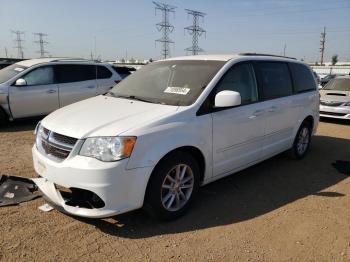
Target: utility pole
point(322, 42)
point(284, 50)
point(41, 43)
point(165, 27)
point(19, 43)
point(6, 52)
point(195, 31)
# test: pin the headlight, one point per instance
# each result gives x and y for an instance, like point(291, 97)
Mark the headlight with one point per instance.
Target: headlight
point(346, 104)
point(38, 132)
point(108, 149)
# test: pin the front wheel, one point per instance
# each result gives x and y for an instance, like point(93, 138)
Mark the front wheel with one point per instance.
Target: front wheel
point(173, 186)
point(302, 141)
point(3, 118)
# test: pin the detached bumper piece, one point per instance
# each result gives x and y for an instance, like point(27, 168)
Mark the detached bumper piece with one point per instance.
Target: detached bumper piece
point(14, 190)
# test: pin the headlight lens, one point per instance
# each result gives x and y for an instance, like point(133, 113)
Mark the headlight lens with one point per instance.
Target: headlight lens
point(346, 104)
point(108, 149)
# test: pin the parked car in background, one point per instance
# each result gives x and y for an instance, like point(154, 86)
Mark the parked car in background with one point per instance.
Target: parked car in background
point(39, 86)
point(335, 98)
point(170, 127)
point(327, 78)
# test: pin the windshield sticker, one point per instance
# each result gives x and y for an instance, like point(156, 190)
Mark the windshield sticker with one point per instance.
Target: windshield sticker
point(177, 90)
point(18, 69)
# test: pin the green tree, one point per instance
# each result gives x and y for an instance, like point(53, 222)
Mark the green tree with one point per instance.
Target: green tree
point(334, 59)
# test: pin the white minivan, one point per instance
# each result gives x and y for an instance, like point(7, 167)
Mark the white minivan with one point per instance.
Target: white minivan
point(171, 127)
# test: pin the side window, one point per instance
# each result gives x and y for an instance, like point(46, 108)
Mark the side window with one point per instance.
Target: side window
point(75, 73)
point(275, 78)
point(40, 76)
point(302, 77)
point(240, 78)
point(103, 72)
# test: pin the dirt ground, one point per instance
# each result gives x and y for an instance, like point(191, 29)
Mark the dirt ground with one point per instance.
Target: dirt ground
point(279, 210)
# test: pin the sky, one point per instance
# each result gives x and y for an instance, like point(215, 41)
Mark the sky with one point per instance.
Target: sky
point(126, 29)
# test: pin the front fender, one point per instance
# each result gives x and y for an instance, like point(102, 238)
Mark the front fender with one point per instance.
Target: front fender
point(153, 145)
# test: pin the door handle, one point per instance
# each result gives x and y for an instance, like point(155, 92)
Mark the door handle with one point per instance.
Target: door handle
point(90, 87)
point(51, 91)
point(272, 109)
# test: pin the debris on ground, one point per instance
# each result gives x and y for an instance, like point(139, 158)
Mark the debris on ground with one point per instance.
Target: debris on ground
point(14, 190)
point(46, 207)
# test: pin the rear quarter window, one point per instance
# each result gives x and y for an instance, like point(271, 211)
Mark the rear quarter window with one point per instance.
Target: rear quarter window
point(303, 79)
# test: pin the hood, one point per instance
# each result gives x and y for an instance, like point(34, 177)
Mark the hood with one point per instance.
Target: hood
point(335, 96)
point(103, 116)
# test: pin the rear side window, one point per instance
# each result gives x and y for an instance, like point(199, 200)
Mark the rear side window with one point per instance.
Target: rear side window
point(40, 76)
point(275, 79)
point(75, 73)
point(302, 77)
point(103, 72)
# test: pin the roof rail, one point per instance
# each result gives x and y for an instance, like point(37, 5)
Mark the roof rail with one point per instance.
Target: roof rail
point(257, 54)
point(74, 60)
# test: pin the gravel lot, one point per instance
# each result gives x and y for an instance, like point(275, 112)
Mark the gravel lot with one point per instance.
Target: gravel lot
point(278, 210)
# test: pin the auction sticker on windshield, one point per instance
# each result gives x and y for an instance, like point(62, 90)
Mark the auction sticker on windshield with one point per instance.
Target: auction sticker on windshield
point(177, 90)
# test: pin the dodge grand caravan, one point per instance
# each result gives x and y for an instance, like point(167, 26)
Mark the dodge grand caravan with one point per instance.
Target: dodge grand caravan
point(171, 127)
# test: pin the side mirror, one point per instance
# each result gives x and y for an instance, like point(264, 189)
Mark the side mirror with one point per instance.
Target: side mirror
point(227, 98)
point(21, 82)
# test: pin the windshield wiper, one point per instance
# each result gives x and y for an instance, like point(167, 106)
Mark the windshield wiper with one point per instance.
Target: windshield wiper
point(130, 97)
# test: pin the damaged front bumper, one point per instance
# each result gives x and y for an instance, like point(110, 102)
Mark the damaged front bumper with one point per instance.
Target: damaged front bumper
point(87, 187)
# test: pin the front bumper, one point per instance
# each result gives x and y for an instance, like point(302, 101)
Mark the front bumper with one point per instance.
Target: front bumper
point(339, 112)
point(120, 189)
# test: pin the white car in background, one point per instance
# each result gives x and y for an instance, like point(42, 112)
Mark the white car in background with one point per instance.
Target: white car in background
point(40, 86)
point(335, 98)
point(170, 127)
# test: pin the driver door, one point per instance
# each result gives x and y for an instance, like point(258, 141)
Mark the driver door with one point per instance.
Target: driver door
point(38, 97)
point(238, 132)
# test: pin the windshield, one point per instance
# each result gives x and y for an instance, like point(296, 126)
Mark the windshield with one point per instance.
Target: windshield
point(169, 82)
point(10, 71)
point(340, 84)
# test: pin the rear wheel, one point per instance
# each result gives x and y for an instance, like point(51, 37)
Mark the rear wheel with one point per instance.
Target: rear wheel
point(172, 187)
point(302, 141)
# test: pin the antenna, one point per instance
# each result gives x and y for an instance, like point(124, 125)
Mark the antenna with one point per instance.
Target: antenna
point(41, 43)
point(165, 27)
point(19, 43)
point(195, 31)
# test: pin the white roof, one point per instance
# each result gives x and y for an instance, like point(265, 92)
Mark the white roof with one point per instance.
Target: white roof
point(36, 61)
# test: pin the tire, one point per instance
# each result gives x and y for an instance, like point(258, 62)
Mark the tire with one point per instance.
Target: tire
point(172, 187)
point(302, 141)
point(3, 117)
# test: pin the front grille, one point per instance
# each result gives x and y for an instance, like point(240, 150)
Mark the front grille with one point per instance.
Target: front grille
point(332, 113)
point(54, 144)
point(329, 103)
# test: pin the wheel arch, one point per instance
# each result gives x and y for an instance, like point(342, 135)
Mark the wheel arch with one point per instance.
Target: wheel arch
point(194, 151)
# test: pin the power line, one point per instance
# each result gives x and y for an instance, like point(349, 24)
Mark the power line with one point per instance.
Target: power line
point(41, 43)
point(322, 42)
point(19, 43)
point(195, 30)
point(165, 27)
